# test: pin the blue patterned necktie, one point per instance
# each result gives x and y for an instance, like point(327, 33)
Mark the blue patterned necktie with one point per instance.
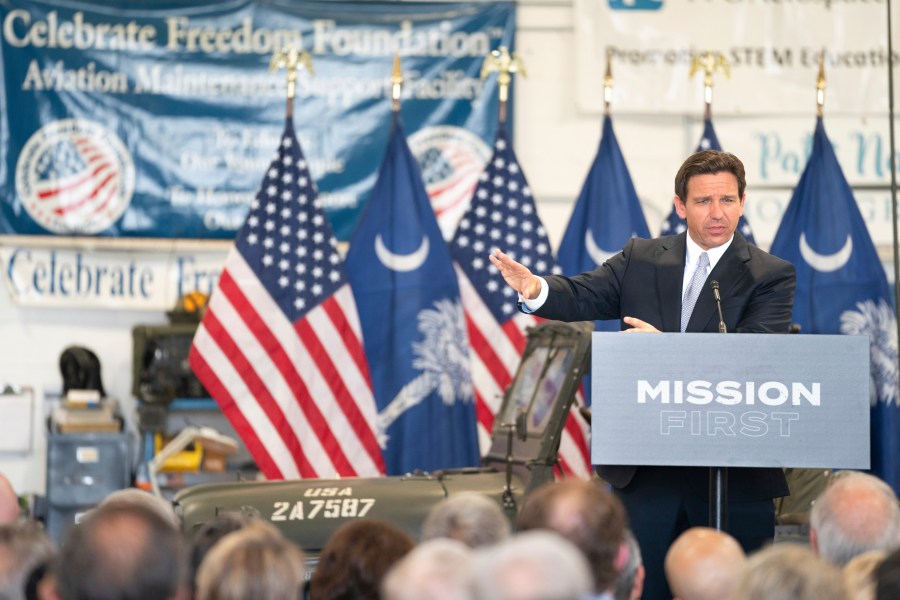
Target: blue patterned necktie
point(693, 290)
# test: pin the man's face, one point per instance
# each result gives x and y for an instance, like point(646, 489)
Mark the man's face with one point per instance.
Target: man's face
point(712, 208)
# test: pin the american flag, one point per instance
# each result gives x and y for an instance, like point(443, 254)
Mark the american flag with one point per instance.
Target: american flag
point(279, 347)
point(502, 215)
point(78, 178)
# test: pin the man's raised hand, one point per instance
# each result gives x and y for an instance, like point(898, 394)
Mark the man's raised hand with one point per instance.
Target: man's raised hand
point(517, 275)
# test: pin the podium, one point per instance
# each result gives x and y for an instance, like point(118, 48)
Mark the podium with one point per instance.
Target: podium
point(738, 400)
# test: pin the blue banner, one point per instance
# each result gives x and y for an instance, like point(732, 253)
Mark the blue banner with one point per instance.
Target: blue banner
point(157, 119)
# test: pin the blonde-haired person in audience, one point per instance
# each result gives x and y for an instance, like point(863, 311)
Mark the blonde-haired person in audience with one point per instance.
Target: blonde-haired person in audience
point(437, 569)
point(256, 563)
point(789, 571)
point(704, 564)
point(859, 574)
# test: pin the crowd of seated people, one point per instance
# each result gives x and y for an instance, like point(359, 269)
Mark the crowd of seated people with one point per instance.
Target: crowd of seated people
point(570, 542)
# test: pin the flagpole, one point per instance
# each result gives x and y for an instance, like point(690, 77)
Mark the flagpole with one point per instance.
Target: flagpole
point(709, 63)
point(608, 84)
point(501, 62)
point(396, 84)
point(291, 59)
point(893, 163)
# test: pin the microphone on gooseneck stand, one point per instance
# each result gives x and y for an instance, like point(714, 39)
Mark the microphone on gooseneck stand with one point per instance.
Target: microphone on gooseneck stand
point(718, 476)
point(715, 288)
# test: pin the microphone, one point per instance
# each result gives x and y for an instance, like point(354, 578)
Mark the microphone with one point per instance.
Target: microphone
point(715, 288)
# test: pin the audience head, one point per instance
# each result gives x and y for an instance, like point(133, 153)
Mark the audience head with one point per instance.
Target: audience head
point(122, 552)
point(535, 565)
point(253, 562)
point(630, 582)
point(356, 558)
point(887, 577)
point(589, 517)
point(9, 502)
point(471, 518)
point(859, 574)
point(790, 572)
point(704, 564)
point(25, 553)
point(855, 514)
point(437, 569)
point(209, 534)
point(136, 497)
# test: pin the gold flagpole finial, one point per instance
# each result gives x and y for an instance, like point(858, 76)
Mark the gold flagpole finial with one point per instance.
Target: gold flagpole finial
point(396, 83)
point(504, 64)
point(608, 82)
point(291, 59)
point(710, 62)
point(820, 86)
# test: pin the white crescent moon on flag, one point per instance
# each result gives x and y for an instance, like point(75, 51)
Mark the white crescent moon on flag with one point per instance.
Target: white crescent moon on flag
point(401, 262)
point(825, 263)
point(597, 254)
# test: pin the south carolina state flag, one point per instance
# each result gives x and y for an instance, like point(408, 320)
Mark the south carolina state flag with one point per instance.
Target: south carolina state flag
point(842, 287)
point(413, 323)
point(606, 215)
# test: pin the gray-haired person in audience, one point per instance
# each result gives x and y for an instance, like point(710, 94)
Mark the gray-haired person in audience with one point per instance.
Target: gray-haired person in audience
point(253, 562)
point(437, 569)
point(789, 571)
point(471, 518)
point(535, 565)
point(630, 582)
point(26, 553)
point(856, 513)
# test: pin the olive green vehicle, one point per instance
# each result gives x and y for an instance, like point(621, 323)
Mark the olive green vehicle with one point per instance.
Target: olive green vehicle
point(523, 454)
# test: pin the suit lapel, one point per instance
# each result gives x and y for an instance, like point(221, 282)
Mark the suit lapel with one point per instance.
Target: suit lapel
point(730, 268)
point(669, 274)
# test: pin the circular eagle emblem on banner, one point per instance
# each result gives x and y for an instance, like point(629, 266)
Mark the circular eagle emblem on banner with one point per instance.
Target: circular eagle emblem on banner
point(75, 176)
point(451, 159)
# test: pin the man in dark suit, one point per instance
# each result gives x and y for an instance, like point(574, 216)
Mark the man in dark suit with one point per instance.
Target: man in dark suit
point(660, 285)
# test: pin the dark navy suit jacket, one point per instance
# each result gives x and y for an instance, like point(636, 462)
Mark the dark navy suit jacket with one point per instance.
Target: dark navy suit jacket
point(644, 280)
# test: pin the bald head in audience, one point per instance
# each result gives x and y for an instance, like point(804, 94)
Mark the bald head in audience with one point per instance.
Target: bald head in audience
point(855, 514)
point(9, 502)
point(704, 564)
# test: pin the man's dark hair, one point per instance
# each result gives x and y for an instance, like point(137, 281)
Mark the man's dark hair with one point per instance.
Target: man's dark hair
point(709, 162)
point(592, 519)
point(123, 552)
point(356, 558)
point(208, 535)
